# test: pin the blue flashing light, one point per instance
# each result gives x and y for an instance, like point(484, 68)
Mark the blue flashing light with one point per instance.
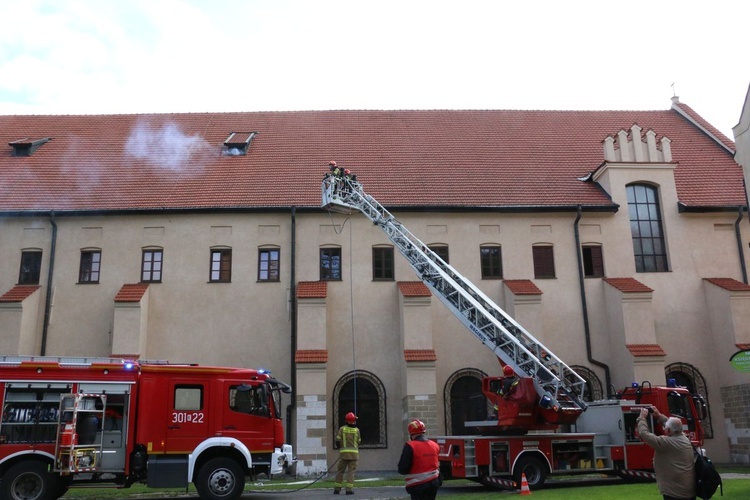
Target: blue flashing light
point(129, 365)
point(263, 371)
point(634, 385)
point(671, 382)
point(545, 401)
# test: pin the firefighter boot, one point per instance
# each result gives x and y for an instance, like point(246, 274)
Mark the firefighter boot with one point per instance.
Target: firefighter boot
point(336, 491)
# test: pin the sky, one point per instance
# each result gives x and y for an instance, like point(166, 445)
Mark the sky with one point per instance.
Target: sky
point(174, 56)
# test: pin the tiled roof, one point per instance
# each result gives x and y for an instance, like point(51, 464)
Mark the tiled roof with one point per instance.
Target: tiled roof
point(628, 285)
point(131, 292)
point(729, 284)
point(420, 355)
point(312, 289)
point(413, 289)
point(505, 159)
point(132, 357)
point(743, 347)
point(311, 356)
point(641, 350)
point(18, 293)
point(522, 287)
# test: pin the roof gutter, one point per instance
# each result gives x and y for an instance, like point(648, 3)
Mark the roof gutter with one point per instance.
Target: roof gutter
point(584, 307)
point(48, 297)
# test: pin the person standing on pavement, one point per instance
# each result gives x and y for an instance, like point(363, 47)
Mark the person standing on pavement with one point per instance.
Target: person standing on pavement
point(348, 440)
point(673, 456)
point(419, 463)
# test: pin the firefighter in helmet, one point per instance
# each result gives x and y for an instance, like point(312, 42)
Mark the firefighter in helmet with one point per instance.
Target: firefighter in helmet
point(419, 463)
point(510, 381)
point(348, 439)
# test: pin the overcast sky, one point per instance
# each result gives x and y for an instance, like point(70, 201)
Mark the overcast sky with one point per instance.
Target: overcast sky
point(136, 56)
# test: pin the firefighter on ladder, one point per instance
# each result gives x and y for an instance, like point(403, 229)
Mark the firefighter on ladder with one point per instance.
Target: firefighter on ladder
point(348, 439)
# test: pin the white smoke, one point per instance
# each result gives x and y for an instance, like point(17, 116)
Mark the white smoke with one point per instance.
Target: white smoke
point(167, 146)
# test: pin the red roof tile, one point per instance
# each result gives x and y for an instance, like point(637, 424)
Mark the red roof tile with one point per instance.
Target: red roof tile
point(507, 159)
point(420, 355)
point(311, 356)
point(413, 289)
point(312, 289)
point(18, 293)
point(126, 356)
point(131, 292)
point(628, 285)
point(522, 287)
point(729, 284)
point(743, 347)
point(641, 350)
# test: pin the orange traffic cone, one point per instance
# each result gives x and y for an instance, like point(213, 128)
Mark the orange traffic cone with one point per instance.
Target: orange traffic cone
point(524, 485)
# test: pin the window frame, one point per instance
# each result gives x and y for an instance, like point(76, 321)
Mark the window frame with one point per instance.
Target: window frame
point(376, 417)
point(543, 256)
point(441, 250)
point(268, 270)
point(383, 263)
point(645, 247)
point(328, 273)
point(593, 261)
point(224, 265)
point(32, 259)
point(151, 271)
point(89, 269)
point(486, 264)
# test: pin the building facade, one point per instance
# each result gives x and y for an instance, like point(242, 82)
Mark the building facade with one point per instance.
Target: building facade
point(619, 239)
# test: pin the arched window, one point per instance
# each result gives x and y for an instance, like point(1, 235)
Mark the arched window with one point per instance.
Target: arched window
point(593, 384)
point(363, 393)
point(688, 376)
point(464, 400)
point(646, 229)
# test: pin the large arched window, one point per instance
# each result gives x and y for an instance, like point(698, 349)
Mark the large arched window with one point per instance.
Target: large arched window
point(593, 384)
point(646, 229)
point(464, 400)
point(688, 376)
point(363, 393)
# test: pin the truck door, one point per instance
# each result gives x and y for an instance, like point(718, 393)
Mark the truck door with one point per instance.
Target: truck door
point(247, 415)
point(187, 420)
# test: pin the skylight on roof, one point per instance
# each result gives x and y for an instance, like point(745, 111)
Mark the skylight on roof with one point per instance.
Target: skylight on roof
point(26, 146)
point(238, 143)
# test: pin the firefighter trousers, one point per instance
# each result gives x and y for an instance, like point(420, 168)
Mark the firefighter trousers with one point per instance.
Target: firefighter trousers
point(345, 473)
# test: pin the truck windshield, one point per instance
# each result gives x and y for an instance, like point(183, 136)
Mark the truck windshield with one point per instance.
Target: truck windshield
point(250, 399)
point(679, 405)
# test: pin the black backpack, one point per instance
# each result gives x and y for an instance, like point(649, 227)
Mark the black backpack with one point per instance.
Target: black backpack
point(707, 479)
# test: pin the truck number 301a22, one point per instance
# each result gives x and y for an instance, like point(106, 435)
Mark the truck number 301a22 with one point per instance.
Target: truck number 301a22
point(182, 417)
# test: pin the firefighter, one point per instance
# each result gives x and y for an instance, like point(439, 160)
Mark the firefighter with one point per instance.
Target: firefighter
point(348, 439)
point(510, 381)
point(419, 463)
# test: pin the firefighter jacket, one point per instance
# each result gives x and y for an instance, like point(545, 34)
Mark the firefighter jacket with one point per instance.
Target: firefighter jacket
point(348, 439)
point(424, 466)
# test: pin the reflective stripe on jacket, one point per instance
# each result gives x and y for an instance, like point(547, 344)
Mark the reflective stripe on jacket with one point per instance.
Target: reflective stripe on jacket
point(349, 438)
point(425, 465)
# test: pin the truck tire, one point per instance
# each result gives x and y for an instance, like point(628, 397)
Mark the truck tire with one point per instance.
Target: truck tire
point(29, 480)
point(220, 479)
point(535, 470)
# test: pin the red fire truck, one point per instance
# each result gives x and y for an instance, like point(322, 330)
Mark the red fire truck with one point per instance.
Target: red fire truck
point(70, 422)
point(543, 425)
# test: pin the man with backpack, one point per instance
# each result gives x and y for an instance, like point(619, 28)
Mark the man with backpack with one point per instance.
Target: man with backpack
point(673, 456)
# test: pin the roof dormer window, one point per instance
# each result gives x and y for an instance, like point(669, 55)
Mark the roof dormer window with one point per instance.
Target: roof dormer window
point(26, 146)
point(238, 143)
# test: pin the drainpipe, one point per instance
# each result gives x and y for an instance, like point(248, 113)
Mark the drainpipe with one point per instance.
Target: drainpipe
point(740, 248)
point(584, 308)
point(48, 298)
point(293, 308)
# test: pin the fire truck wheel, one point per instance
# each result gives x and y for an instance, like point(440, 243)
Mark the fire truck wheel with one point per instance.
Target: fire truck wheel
point(535, 470)
point(29, 480)
point(220, 479)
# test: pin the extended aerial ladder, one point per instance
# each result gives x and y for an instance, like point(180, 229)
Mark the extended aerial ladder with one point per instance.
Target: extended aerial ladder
point(559, 388)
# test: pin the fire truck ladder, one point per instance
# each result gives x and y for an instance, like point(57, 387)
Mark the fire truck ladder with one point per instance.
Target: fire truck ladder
point(558, 386)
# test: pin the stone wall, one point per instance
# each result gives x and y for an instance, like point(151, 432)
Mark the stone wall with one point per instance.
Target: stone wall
point(736, 400)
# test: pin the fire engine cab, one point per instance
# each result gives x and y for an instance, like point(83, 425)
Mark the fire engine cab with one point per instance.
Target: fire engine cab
point(72, 421)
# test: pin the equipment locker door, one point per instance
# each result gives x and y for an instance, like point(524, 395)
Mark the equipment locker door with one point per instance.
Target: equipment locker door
point(187, 421)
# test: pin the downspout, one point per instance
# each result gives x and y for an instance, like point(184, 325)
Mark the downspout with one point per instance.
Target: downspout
point(48, 298)
point(738, 235)
point(584, 307)
point(293, 307)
